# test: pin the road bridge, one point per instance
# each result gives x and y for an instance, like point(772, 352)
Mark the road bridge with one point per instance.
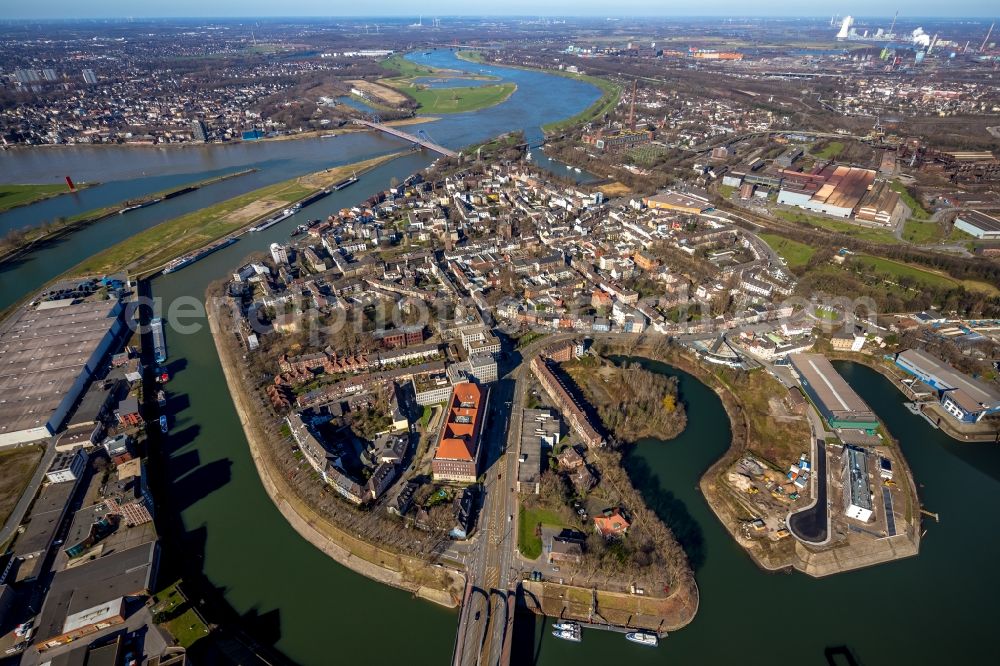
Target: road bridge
point(425, 143)
point(486, 623)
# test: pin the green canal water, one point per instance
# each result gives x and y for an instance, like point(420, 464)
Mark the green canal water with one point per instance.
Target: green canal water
point(932, 609)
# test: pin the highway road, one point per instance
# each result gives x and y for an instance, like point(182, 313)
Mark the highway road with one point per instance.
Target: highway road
point(492, 565)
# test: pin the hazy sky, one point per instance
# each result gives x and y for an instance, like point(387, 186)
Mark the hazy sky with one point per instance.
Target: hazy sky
point(170, 8)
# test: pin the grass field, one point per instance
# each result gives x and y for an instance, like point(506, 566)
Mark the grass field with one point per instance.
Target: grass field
point(407, 68)
point(454, 100)
point(529, 543)
point(863, 233)
point(830, 150)
point(921, 233)
point(156, 246)
point(795, 253)
point(18, 466)
point(611, 93)
point(918, 212)
point(471, 56)
point(12, 196)
point(898, 269)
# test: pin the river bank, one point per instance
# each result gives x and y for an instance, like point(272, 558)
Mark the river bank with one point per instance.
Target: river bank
point(360, 556)
point(39, 235)
point(15, 195)
point(151, 250)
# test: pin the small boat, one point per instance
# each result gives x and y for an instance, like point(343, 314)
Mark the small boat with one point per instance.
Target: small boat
point(577, 169)
point(161, 398)
point(163, 424)
point(642, 638)
point(566, 626)
point(163, 377)
point(528, 155)
point(568, 635)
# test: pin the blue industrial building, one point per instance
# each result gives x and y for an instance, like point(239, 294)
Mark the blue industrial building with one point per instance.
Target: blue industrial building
point(966, 399)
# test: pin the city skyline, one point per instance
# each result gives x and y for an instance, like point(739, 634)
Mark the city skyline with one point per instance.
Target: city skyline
point(64, 9)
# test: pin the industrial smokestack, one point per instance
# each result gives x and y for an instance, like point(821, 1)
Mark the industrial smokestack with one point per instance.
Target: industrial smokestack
point(990, 32)
point(845, 28)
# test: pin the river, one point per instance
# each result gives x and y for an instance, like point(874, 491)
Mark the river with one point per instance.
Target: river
point(127, 172)
point(933, 608)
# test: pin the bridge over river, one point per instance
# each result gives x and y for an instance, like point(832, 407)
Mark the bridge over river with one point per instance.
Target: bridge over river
point(426, 143)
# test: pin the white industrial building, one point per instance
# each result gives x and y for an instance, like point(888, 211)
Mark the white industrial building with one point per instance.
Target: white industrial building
point(48, 355)
point(67, 466)
point(857, 492)
point(980, 225)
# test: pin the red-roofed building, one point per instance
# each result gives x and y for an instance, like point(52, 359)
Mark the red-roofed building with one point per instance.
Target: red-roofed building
point(611, 525)
point(457, 456)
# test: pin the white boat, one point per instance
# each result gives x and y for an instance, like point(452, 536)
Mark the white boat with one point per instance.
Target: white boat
point(642, 638)
point(577, 169)
point(528, 155)
point(568, 635)
point(566, 626)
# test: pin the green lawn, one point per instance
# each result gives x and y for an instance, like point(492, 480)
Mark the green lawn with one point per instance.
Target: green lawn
point(18, 466)
point(921, 233)
point(529, 543)
point(726, 191)
point(898, 269)
point(454, 100)
point(857, 231)
point(12, 196)
point(407, 68)
point(830, 150)
point(176, 614)
point(154, 247)
point(795, 253)
point(917, 210)
point(471, 56)
point(611, 93)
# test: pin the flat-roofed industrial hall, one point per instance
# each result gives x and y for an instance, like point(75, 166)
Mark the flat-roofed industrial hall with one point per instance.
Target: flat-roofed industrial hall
point(839, 405)
point(48, 353)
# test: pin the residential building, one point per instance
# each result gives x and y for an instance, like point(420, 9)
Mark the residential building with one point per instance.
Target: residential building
point(279, 253)
point(612, 524)
point(431, 388)
point(67, 466)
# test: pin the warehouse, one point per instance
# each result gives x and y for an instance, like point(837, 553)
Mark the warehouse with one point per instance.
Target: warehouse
point(676, 201)
point(965, 398)
point(47, 357)
point(857, 491)
point(980, 225)
point(835, 191)
point(880, 205)
point(836, 401)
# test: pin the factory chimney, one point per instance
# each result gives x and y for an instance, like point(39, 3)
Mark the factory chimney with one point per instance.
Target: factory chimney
point(990, 32)
point(845, 28)
point(631, 108)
